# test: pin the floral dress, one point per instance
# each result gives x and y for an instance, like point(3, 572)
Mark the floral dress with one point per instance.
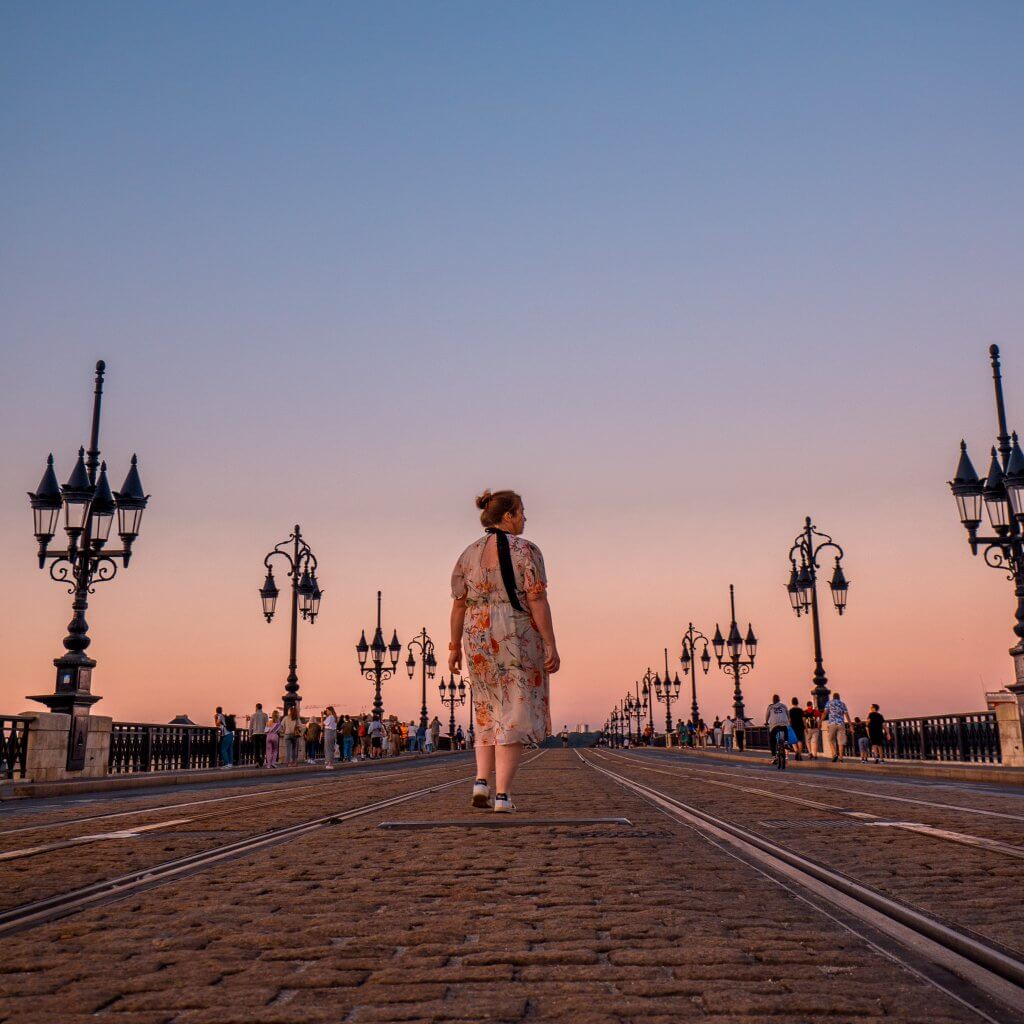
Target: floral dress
point(503, 649)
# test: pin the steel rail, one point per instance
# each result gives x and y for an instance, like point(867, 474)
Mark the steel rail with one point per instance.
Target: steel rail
point(394, 771)
point(995, 973)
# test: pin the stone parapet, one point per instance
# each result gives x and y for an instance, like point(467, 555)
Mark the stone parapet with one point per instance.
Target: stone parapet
point(47, 751)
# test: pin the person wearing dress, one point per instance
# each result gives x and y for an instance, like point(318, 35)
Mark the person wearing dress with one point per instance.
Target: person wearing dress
point(501, 629)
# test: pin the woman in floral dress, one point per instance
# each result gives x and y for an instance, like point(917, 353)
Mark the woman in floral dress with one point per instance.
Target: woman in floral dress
point(501, 626)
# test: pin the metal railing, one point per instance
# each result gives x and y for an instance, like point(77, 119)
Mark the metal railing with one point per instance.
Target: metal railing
point(13, 746)
point(972, 737)
point(142, 747)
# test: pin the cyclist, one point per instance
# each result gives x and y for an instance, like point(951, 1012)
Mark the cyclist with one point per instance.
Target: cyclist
point(777, 720)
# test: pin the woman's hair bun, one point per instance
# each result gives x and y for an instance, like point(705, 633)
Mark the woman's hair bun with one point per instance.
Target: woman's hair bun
point(481, 502)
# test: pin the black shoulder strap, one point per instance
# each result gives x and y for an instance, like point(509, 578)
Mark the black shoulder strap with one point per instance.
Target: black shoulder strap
point(508, 574)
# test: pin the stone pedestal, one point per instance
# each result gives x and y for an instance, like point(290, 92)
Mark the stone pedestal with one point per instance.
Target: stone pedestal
point(1009, 708)
point(47, 754)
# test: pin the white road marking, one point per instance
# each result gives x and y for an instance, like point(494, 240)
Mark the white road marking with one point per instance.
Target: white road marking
point(128, 833)
point(965, 839)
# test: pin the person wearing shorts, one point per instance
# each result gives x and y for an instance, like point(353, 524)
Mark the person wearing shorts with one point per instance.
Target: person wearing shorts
point(837, 716)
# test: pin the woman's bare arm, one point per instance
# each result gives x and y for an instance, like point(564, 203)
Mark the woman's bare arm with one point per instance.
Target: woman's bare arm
point(458, 620)
point(540, 611)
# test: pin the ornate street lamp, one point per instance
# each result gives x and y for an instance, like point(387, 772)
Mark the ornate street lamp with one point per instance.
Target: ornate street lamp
point(1002, 495)
point(452, 696)
point(647, 689)
point(306, 593)
point(729, 654)
point(803, 592)
point(89, 506)
point(377, 670)
point(428, 665)
point(667, 691)
point(689, 659)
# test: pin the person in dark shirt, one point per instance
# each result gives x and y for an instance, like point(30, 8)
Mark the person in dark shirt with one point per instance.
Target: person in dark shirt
point(796, 723)
point(876, 733)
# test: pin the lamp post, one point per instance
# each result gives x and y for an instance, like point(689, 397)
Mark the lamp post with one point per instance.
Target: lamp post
point(378, 671)
point(729, 654)
point(89, 506)
point(647, 689)
point(428, 664)
point(632, 707)
point(456, 697)
point(639, 708)
point(803, 592)
point(1002, 493)
point(689, 661)
point(306, 594)
point(667, 692)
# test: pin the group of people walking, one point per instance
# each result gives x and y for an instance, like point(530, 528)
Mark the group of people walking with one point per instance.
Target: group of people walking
point(280, 738)
point(806, 730)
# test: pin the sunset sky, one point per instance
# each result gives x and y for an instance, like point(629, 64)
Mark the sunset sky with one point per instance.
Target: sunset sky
point(680, 273)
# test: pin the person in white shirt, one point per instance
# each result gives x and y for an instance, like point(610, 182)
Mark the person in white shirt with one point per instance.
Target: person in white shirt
point(728, 726)
point(777, 720)
point(258, 732)
point(330, 735)
point(375, 730)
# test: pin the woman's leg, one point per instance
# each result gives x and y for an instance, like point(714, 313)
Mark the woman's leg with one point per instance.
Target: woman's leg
point(506, 762)
point(484, 761)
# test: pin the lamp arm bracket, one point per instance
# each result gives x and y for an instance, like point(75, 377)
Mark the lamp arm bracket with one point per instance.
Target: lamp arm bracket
point(104, 569)
point(996, 556)
point(284, 554)
point(62, 570)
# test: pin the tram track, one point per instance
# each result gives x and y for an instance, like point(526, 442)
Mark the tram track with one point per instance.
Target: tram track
point(867, 819)
point(978, 972)
point(111, 890)
point(282, 788)
point(836, 786)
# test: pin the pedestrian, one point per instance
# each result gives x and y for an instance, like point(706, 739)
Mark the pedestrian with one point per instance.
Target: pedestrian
point(363, 735)
point(330, 735)
point(777, 720)
point(501, 613)
point(860, 738)
point(291, 730)
point(702, 734)
point(739, 728)
point(812, 730)
point(274, 738)
point(258, 732)
point(394, 737)
point(428, 741)
point(648, 735)
point(413, 737)
point(435, 733)
point(837, 716)
point(796, 723)
point(312, 736)
point(460, 738)
point(564, 736)
point(877, 733)
point(347, 730)
point(728, 728)
point(375, 731)
point(421, 736)
point(716, 731)
point(225, 737)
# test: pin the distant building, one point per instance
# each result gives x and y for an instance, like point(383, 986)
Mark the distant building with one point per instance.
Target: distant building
point(181, 720)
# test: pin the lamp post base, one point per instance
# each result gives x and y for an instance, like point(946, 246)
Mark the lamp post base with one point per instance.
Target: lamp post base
point(73, 697)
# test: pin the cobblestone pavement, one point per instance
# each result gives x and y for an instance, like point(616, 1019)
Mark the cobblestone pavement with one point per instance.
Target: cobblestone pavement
point(599, 924)
point(209, 824)
point(947, 878)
